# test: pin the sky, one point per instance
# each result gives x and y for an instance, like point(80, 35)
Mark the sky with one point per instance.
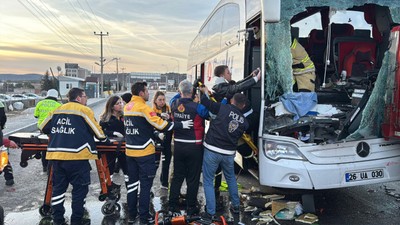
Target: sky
point(144, 35)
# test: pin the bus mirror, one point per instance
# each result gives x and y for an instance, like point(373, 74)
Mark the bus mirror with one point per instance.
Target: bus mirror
point(272, 11)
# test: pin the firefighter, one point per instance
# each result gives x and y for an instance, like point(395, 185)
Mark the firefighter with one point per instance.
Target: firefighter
point(71, 128)
point(188, 149)
point(140, 121)
point(303, 68)
point(42, 109)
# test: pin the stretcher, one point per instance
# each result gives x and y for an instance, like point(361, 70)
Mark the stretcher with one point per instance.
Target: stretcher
point(32, 144)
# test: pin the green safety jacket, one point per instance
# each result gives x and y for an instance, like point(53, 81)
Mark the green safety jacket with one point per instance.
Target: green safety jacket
point(43, 108)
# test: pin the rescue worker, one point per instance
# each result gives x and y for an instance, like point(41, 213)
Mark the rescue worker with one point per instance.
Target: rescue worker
point(188, 149)
point(224, 88)
point(220, 147)
point(303, 68)
point(139, 121)
point(8, 170)
point(111, 121)
point(42, 110)
point(163, 110)
point(71, 128)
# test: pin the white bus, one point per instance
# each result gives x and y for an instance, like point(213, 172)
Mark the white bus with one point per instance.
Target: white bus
point(345, 145)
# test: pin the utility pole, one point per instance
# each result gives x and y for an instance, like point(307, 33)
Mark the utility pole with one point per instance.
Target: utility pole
point(101, 61)
point(118, 88)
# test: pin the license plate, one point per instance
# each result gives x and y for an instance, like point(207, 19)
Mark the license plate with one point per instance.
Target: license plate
point(364, 175)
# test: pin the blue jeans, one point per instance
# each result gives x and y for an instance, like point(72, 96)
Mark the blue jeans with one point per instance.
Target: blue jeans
point(211, 161)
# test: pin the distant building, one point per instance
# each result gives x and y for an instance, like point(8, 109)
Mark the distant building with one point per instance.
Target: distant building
point(73, 70)
point(68, 82)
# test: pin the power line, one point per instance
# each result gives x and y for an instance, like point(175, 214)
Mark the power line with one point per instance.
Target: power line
point(50, 28)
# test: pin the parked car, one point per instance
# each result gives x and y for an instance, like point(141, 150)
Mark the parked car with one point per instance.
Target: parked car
point(18, 97)
point(32, 96)
point(162, 88)
point(5, 98)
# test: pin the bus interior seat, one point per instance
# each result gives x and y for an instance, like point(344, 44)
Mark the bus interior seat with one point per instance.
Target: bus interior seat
point(338, 30)
point(362, 33)
point(354, 55)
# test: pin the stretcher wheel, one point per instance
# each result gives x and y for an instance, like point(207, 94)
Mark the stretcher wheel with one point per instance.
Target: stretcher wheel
point(38, 156)
point(45, 210)
point(23, 164)
point(109, 208)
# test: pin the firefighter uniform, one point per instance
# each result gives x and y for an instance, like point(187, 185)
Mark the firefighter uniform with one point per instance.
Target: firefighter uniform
point(71, 144)
point(188, 153)
point(303, 67)
point(140, 121)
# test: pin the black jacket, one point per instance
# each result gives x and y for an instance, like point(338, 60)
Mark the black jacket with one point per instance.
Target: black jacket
point(226, 129)
point(114, 124)
point(223, 89)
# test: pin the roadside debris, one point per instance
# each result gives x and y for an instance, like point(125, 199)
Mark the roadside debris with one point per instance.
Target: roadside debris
point(307, 218)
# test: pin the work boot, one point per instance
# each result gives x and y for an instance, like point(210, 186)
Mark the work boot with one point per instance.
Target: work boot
point(133, 219)
point(147, 221)
point(83, 221)
point(10, 182)
point(192, 211)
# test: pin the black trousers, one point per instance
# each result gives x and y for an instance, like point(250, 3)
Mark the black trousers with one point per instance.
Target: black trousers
point(188, 160)
point(166, 159)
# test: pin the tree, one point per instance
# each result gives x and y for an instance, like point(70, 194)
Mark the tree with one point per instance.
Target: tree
point(47, 82)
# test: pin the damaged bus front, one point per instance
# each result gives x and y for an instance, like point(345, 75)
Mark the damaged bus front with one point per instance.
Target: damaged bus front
point(332, 137)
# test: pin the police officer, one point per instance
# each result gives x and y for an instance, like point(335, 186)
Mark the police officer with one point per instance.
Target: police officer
point(220, 147)
point(188, 150)
point(140, 121)
point(42, 109)
point(71, 128)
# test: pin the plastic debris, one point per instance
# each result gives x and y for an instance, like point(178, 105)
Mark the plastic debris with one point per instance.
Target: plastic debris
point(307, 218)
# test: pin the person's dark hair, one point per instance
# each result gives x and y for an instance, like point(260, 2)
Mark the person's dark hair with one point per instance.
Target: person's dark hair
point(74, 93)
point(138, 87)
point(219, 70)
point(126, 97)
point(108, 110)
point(240, 99)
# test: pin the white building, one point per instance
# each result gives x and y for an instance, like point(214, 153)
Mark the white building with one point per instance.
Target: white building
point(67, 82)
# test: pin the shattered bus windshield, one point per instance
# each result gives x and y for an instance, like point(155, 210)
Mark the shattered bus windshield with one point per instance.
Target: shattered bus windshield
point(347, 42)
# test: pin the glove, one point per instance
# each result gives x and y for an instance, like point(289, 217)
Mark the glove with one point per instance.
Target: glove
point(196, 83)
point(161, 136)
point(165, 116)
point(117, 134)
point(187, 124)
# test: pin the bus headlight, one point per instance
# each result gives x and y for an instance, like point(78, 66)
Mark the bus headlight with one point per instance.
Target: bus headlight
point(276, 151)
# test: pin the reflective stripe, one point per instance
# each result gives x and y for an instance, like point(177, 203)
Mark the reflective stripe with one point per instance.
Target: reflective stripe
point(140, 146)
point(58, 197)
point(74, 150)
point(248, 113)
point(188, 141)
point(219, 150)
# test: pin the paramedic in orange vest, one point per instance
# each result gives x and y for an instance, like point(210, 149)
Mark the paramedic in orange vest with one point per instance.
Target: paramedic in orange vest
point(303, 68)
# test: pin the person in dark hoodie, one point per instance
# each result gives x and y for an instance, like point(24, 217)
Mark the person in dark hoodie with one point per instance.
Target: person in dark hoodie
point(224, 88)
point(42, 110)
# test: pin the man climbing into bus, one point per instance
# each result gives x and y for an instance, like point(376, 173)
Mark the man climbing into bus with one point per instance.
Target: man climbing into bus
point(220, 147)
point(225, 87)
